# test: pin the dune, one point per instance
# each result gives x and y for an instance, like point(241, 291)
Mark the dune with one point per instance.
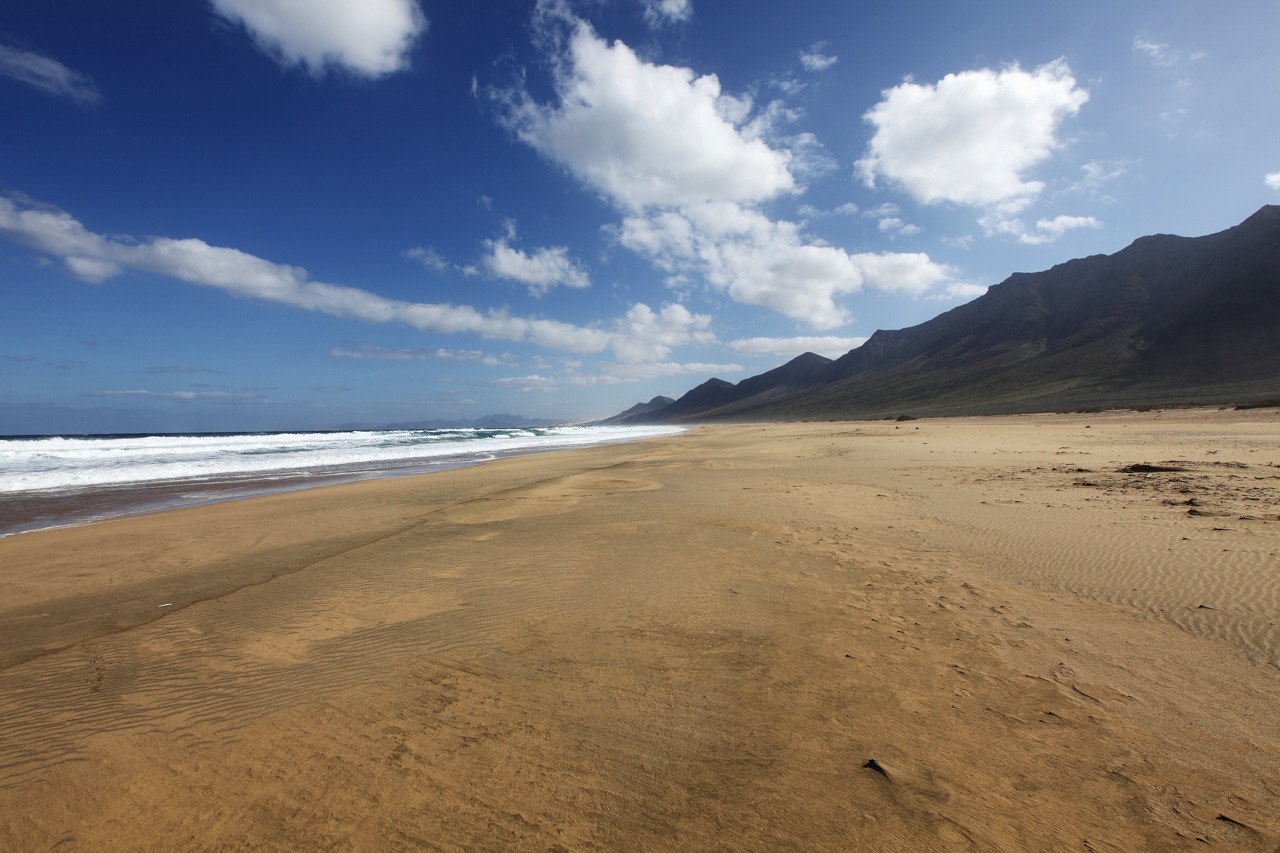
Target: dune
point(1008, 633)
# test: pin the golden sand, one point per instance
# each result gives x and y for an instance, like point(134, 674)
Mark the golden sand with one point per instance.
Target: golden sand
point(959, 634)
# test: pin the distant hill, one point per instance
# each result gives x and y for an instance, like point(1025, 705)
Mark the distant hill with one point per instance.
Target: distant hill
point(1166, 321)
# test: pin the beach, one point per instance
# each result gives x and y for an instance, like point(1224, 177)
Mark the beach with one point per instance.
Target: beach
point(1033, 632)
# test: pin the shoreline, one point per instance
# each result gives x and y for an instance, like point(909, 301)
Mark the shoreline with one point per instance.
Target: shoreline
point(689, 642)
point(32, 511)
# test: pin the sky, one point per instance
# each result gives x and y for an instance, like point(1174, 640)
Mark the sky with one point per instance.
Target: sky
point(300, 214)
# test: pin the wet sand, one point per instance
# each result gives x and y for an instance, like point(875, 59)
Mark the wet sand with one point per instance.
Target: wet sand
point(953, 634)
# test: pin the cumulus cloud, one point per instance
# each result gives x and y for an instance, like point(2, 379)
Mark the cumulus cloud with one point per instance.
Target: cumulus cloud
point(1044, 230)
point(759, 261)
point(645, 335)
point(895, 226)
point(48, 75)
point(1272, 180)
point(912, 273)
point(688, 166)
point(641, 334)
point(962, 292)
point(830, 346)
point(1048, 230)
point(971, 137)
point(370, 38)
point(645, 135)
point(815, 59)
point(751, 258)
point(541, 271)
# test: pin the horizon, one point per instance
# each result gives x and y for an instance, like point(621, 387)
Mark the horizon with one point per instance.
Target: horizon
point(403, 210)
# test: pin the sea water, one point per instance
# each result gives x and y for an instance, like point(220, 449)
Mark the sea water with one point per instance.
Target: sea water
point(51, 481)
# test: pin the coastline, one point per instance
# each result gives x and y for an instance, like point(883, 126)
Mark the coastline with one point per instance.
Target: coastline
point(69, 494)
point(683, 643)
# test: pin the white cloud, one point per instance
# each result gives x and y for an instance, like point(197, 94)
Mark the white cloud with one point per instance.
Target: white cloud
point(895, 226)
point(541, 271)
point(1162, 55)
point(1158, 52)
point(758, 261)
point(1044, 231)
point(647, 335)
point(960, 291)
point(1097, 174)
point(222, 396)
point(369, 351)
point(889, 221)
point(830, 346)
point(970, 138)
point(643, 134)
point(93, 270)
point(641, 334)
point(621, 374)
point(428, 257)
point(688, 165)
point(809, 211)
point(658, 12)
point(901, 272)
point(1051, 229)
point(1272, 180)
point(527, 384)
point(48, 75)
point(814, 59)
point(371, 38)
point(745, 254)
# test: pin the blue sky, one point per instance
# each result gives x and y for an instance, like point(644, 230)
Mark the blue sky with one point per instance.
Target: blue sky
point(293, 214)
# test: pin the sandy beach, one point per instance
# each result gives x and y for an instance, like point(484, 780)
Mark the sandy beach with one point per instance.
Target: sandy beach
point(1052, 632)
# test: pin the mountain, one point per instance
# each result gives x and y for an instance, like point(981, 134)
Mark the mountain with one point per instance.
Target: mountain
point(639, 410)
point(799, 373)
point(1166, 321)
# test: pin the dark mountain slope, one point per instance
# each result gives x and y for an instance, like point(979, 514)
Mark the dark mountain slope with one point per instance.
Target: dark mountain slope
point(1167, 320)
point(801, 372)
point(640, 411)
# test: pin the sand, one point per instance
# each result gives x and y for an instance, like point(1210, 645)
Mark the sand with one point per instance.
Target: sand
point(953, 634)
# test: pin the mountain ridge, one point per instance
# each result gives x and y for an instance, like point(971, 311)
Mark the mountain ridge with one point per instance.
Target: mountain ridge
point(1167, 320)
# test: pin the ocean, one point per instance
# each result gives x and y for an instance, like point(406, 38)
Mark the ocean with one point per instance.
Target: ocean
point(55, 481)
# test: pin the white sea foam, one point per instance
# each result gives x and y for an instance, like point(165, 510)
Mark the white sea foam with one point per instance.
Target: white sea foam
point(43, 465)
